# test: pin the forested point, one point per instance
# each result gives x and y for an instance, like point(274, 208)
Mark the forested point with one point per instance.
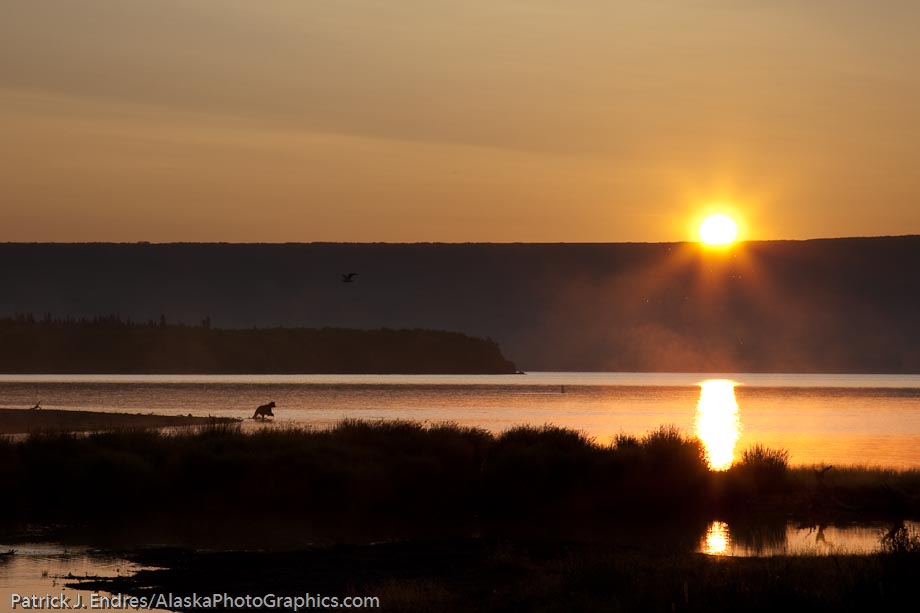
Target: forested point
point(112, 345)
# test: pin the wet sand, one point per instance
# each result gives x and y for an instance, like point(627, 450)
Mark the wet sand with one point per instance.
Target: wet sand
point(25, 421)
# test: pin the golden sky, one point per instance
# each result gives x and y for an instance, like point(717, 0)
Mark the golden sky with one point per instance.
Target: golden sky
point(429, 120)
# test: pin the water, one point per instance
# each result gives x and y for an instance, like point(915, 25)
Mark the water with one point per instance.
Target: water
point(837, 419)
point(45, 569)
point(722, 539)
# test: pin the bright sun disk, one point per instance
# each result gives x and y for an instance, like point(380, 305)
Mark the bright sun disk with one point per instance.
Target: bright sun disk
point(718, 229)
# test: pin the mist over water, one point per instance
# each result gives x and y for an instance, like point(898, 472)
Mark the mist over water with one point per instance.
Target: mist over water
point(844, 419)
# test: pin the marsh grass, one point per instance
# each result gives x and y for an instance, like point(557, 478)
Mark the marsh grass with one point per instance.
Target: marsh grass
point(774, 460)
point(362, 473)
point(761, 476)
point(902, 541)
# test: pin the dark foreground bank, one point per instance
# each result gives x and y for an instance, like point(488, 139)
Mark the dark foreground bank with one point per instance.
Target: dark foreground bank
point(505, 575)
point(534, 519)
point(359, 479)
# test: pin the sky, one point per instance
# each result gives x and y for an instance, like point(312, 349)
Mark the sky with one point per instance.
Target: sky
point(428, 120)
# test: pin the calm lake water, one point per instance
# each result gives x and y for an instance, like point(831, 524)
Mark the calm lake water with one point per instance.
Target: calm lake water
point(46, 568)
point(838, 419)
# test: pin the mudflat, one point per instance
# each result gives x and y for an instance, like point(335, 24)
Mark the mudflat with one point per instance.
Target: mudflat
point(25, 421)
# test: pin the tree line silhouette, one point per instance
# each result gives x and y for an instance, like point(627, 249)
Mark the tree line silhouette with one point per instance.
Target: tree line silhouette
point(112, 344)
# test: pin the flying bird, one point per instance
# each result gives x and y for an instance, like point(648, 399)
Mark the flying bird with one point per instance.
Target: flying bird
point(349, 277)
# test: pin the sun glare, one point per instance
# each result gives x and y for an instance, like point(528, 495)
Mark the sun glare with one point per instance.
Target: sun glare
point(718, 229)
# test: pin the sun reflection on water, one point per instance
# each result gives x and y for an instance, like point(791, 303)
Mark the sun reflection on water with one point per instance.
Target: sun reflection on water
point(717, 539)
point(717, 423)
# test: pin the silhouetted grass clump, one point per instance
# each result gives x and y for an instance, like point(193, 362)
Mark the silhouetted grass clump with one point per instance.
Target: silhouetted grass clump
point(760, 475)
point(551, 470)
point(661, 468)
point(540, 469)
point(760, 457)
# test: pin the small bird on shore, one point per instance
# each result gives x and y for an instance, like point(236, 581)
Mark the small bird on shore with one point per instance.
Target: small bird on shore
point(38, 405)
point(349, 277)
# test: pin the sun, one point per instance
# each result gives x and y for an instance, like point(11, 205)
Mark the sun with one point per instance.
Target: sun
point(718, 229)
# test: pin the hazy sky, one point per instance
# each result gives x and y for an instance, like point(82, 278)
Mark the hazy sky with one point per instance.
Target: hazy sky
point(426, 120)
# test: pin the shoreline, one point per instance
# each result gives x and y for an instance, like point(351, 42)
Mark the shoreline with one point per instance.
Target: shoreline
point(27, 421)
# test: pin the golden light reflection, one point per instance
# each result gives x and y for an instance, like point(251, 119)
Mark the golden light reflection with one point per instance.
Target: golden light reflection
point(717, 539)
point(717, 422)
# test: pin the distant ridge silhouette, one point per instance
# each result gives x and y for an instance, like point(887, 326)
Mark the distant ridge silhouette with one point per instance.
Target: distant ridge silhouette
point(830, 305)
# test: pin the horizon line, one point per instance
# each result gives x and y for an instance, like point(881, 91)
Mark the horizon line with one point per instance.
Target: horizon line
point(583, 243)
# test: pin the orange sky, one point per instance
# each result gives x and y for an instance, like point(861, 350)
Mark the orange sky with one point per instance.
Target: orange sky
point(428, 120)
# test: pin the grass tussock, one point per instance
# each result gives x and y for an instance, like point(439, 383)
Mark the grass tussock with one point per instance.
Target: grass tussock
point(761, 475)
point(765, 458)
